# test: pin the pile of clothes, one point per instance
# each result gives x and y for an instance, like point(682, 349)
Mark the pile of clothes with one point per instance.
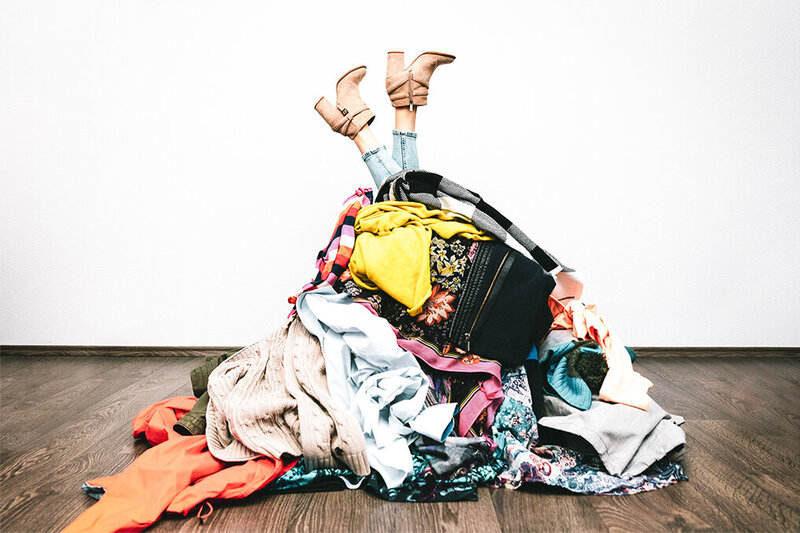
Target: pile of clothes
point(437, 349)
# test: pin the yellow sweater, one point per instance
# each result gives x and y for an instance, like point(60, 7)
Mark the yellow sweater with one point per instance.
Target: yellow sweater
point(392, 250)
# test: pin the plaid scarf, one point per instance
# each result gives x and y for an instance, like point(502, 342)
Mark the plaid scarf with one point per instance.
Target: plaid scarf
point(333, 259)
point(437, 192)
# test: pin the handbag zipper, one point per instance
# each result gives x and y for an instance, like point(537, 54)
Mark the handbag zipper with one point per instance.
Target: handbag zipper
point(468, 335)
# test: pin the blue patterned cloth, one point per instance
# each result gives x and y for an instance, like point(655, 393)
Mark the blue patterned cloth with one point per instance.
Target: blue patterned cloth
point(516, 435)
point(518, 459)
point(421, 486)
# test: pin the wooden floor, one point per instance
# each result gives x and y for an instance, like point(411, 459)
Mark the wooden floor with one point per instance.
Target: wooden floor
point(67, 419)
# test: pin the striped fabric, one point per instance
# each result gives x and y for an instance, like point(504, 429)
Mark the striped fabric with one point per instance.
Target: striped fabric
point(333, 259)
point(437, 192)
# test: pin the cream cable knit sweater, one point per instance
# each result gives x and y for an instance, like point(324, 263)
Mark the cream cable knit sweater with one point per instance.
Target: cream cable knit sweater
point(272, 398)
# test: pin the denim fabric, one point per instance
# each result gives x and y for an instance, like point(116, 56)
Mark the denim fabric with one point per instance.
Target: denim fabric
point(380, 165)
point(404, 156)
point(404, 149)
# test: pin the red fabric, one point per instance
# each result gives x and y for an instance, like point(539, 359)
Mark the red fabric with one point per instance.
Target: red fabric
point(175, 475)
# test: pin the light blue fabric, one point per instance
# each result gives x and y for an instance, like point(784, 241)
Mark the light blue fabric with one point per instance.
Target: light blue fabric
point(380, 164)
point(533, 355)
point(404, 156)
point(381, 383)
point(404, 149)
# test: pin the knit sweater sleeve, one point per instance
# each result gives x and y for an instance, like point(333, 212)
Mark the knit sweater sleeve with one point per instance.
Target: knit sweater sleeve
point(313, 425)
point(221, 442)
point(250, 406)
point(347, 438)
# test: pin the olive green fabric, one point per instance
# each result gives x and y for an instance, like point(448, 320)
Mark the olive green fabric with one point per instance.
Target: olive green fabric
point(199, 376)
point(194, 422)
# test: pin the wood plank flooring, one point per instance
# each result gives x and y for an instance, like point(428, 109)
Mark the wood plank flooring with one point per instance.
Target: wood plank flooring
point(64, 420)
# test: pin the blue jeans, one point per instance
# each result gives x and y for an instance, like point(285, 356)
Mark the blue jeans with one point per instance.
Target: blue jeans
point(404, 156)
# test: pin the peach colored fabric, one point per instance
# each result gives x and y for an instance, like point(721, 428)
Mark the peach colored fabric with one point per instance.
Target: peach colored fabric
point(568, 287)
point(622, 384)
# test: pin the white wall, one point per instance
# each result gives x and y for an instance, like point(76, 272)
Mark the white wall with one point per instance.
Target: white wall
point(166, 181)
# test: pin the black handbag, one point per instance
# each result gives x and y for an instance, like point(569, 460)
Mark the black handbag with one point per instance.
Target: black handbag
point(503, 309)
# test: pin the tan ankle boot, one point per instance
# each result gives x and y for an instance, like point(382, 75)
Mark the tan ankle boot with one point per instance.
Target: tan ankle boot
point(350, 114)
point(408, 86)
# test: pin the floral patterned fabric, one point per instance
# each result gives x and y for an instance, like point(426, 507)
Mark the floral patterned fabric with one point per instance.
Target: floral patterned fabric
point(423, 485)
point(455, 376)
point(493, 402)
point(517, 460)
point(560, 467)
point(450, 263)
point(516, 435)
point(298, 479)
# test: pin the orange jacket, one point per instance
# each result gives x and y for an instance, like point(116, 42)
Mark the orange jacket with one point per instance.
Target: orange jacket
point(175, 475)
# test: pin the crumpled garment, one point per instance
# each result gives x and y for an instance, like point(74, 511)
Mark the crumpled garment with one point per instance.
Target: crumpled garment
point(175, 475)
point(568, 385)
point(627, 440)
point(155, 423)
point(476, 381)
point(302, 479)
point(422, 485)
point(381, 383)
point(333, 259)
point(272, 399)
point(575, 370)
point(392, 249)
point(583, 473)
point(622, 384)
point(456, 453)
point(515, 432)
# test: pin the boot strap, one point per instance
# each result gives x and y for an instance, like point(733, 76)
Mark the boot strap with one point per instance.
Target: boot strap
point(347, 117)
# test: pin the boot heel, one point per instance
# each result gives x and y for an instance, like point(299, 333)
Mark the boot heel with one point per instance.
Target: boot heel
point(330, 114)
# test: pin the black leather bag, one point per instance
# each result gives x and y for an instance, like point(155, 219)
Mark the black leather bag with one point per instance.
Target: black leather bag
point(503, 309)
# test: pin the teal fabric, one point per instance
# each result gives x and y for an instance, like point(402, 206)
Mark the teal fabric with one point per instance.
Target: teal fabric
point(572, 390)
point(560, 381)
point(423, 485)
point(575, 370)
point(631, 353)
